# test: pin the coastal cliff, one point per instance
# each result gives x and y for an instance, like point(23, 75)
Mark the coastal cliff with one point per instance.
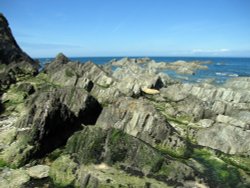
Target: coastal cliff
point(122, 124)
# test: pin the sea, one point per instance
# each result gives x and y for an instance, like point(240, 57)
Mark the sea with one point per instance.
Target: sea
point(219, 70)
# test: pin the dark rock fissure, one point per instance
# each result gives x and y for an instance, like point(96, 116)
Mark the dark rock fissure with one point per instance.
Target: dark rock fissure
point(182, 135)
point(89, 115)
point(61, 124)
point(159, 84)
point(56, 131)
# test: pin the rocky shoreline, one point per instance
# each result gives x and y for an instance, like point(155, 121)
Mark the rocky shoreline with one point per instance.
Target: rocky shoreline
point(84, 125)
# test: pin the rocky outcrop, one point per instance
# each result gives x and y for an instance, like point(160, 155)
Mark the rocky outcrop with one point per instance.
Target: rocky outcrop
point(109, 147)
point(123, 124)
point(240, 83)
point(14, 63)
point(181, 67)
point(52, 117)
point(80, 75)
point(132, 77)
point(221, 111)
point(139, 118)
point(226, 138)
point(220, 100)
point(209, 92)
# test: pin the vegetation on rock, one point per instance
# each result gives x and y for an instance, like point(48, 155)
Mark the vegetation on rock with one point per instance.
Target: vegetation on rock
point(96, 127)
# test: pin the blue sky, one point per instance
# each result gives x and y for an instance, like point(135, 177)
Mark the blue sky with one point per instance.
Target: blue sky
point(130, 27)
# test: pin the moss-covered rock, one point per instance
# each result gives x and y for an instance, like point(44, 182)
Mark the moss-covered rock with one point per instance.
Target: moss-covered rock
point(107, 176)
point(139, 118)
point(13, 178)
point(95, 145)
point(217, 171)
point(17, 153)
point(63, 171)
point(13, 100)
point(123, 151)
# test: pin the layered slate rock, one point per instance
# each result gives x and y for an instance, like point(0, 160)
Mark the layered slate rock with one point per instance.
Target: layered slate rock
point(80, 75)
point(132, 77)
point(88, 76)
point(225, 137)
point(240, 83)
point(230, 109)
point(222, 112)
point(52, 116)
point(152, 131)
point(14, 63)
point(112, 150)
point(140, 119)
point(180, 67)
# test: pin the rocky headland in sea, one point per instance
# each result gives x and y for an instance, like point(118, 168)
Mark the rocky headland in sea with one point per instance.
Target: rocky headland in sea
point(121, 124)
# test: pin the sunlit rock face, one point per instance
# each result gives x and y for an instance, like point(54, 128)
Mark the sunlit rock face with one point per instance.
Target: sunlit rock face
point(79, 124)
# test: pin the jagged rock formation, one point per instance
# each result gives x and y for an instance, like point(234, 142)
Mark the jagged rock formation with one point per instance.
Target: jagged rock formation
point(114, 147)
point(181, 67)
point(52, 117)
point(136, 117)
point(86, 125)
point(66, 73)
point(227, 107)
point(14, 63)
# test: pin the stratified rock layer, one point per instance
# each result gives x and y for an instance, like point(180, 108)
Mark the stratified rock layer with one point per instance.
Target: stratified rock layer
point(122, 124)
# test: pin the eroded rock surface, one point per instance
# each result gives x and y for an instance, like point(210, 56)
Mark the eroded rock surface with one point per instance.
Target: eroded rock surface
point(52, 116)
point(139, 118)
point(122, 124)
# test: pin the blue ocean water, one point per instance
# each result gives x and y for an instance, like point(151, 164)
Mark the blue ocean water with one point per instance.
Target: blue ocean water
point(220, 69)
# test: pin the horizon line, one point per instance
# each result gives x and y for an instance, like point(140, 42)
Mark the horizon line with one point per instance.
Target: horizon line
point(142, 56)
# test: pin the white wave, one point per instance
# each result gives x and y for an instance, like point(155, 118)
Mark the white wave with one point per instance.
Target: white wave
point(226, 74)
point(221, 73)
point(233, 75)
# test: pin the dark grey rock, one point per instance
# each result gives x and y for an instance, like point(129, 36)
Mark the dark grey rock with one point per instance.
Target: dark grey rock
point(13, 61)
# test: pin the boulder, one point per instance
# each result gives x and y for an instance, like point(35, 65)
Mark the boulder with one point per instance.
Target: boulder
point(62, 171)
point(38, 171)
point(13, 178)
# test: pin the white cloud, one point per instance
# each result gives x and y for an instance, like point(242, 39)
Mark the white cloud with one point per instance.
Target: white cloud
point(224, 50)
point(208, 51)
